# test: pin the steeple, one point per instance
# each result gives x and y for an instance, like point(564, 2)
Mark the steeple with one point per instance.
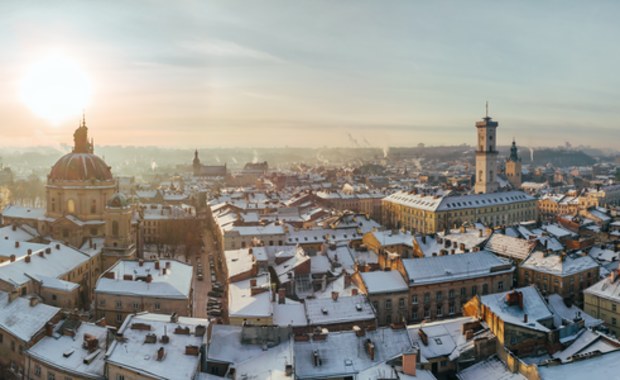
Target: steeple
point(80, 138)
point(514, 152)
point(196, 161)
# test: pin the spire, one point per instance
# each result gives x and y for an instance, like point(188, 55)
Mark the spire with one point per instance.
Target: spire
point(80, 138)
point(514, 152)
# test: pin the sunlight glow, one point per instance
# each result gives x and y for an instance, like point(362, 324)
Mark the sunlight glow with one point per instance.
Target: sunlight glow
point(55, 89)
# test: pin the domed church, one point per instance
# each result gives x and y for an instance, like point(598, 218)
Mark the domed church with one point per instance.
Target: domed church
point(83, 203)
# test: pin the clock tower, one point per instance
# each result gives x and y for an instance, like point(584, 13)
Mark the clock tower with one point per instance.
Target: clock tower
point(486, 155)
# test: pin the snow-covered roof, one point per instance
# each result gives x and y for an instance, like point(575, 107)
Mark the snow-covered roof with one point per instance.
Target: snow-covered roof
point(511, 247)
point(290, 313)
point(134, 354)
point(389, 237)
point(21, 212)
point(22, 320)
point(50, 260)
point(344, 354)
point(458, 202)
point(17, 233)
point(239, 261)
point(384, 282)
point(241, 302)
point(606, 288)
point(325, 311)
point(605, 366)
point(175, 283)
point(533, 305)
point(559, 264)
point(491, 368)
point(560, 310)
point(588, 341)
point(65, 353)
point(430, 270)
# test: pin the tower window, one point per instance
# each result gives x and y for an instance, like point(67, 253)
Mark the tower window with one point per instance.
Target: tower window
point(115, 228)
point(70, 206)
point(93, 206)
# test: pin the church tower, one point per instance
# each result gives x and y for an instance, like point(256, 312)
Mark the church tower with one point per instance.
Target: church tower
point(486, 155)
point(120, 242)
point(513, 167)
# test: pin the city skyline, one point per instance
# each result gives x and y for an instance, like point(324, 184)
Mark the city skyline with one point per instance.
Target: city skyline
point(236, 74)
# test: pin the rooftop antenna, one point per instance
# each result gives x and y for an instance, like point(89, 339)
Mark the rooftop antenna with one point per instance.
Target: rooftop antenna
point(487, 108)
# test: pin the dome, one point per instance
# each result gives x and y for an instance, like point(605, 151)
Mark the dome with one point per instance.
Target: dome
point(118, 200)
point(80, 167)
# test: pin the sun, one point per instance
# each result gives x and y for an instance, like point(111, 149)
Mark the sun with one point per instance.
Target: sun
point(56, 89)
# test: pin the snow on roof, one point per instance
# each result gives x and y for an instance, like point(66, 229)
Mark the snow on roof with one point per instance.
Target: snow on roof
point(430, 270)
point(175, 283)
point(560, 310)
point(511, 247)
point(288, 266)
point(55, 283)
point(588, 341)
point(445, 338)
point(318, 235)
point(557, 231)
point(20, 212)
point(603, 254)
point(134, 354)
point(533, 305)
point(606, 288)
point(290, 313)
point(384, 282)
point(344, 354)
point(53, 351)
point(389, 237)
point(241, 302)
point(22, 320)
point(491, 368)
point(458, 202)
point(251, 361)
point(270, 229)
point(239, 261)
point(60, 260)
point(325, 311)
point(16, 233)
point(559, 264)
point(605, 366)
point(320, 264)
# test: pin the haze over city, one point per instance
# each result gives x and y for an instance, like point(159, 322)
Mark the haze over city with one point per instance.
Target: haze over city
point(311, 73)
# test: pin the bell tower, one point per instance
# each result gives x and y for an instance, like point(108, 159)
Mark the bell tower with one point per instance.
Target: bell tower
point(486, 155)
point(513, 166)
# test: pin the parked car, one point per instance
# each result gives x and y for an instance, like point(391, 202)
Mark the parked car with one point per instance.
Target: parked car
point(199, 276)
point(214, 313)
point(214, 293)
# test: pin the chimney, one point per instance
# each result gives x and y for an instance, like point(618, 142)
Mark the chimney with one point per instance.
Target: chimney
point(409, 363)
point(354, 292)
point(12, 258)
point(316, 359)
point(347, 280)
point(192, 350)
point(157, 265)
point(281, 295)
point(16, 244)
point(48, 250)
point(480, 232)
point(34, 301)
point(370, 349)
point(160, 354)
point(253, 282)
point(141, 262)
point(335, 296)
point(27, 259)
point(524, 318)
point(359, 331)
point(168, 264)
point(49, 329)
point(423, 239)
point(57, 247)
point(29, 252)
point(149, 278)
point(164, 271)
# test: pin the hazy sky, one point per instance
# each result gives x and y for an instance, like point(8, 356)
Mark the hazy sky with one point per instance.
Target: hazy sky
point(311, 73)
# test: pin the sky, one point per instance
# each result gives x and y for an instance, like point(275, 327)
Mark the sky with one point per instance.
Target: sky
point(227, 73)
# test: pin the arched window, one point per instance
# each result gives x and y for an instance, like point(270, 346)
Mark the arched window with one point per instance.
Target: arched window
point(53, 204)
point(93, 206)
point(115, 228)
point(70, 206)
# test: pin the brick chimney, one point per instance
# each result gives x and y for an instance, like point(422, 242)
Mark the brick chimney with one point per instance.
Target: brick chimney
point(16, 244)
point(157, 265)
point(160, 354)
point(354, 292)
point(149, 278)
point(27, 259)
point(281, 295)
point(335, 296)
point(12, 258)
point(409, 363)
point(141, 262)
point(252, 282)
point(524, 318)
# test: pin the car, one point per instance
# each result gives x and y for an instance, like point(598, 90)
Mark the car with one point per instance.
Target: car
point(213, 293)
point(214, 313)
point(217, 288)
point(213, 299)
point(200, 277)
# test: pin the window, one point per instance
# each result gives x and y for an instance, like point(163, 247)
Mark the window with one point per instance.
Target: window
point(401, 303)
point(388, 304)
point(51, 376)
point(70, 208)
point(54, 297)
point(443, 363)
point(439, 310)
point(115, 228)
point(102, 302)
point(119, 318)
point(119, 305)
point(375, 304)
point(37, 370)
point(414, 299)
point(613, 307)
point(613, 321)
point(93, 206)
point(439, 296)
point(485, 289)
point(157, 306)
point(65, 232)
point(451, 294)
point(414, 315)
point(13, 346)
point(451, 308)
point(427, 312)
point(463, 292)
point(474, 290)
point(120, 377)
point(136, 306)
point(500, 286)
point(53, 204)
point(427, 298)
point(388, 319)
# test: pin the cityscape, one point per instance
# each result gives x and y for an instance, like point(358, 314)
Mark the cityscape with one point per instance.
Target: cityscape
point(402, 190)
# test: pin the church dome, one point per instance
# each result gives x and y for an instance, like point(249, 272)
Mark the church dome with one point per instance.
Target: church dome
point(81, 164)
point(80, 167)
